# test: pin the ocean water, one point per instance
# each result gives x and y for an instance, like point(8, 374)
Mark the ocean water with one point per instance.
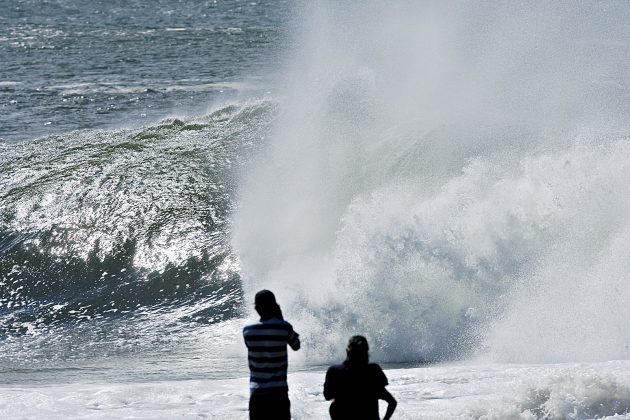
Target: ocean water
point(69, 65)
point(449, 179)
point(125, 128)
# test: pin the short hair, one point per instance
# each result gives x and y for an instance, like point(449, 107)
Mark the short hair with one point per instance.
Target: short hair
point(266, 305)
point(265, 298)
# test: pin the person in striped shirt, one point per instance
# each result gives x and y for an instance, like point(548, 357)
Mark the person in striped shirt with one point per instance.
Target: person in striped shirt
point(266, 343)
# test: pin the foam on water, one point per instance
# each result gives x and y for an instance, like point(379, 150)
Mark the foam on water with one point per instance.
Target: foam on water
point(480, 392)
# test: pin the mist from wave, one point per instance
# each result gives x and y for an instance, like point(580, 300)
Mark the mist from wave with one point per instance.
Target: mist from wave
point(451, 181)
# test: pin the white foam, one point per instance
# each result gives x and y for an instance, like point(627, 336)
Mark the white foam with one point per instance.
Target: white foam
point(566, 391)
point(114, 88)
point(8, 83)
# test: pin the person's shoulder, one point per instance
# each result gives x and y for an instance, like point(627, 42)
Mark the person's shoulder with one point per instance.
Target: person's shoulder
point(377, 374)
point(336, 368)
point(375, 369)
point(276, 322)
point(252, 326)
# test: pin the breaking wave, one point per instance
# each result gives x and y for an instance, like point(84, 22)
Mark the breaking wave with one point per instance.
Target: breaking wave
point(124, 230)
point(451, 181)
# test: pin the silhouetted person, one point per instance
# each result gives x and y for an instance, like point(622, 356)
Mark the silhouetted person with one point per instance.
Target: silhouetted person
point(356, 385)
point(266, 343)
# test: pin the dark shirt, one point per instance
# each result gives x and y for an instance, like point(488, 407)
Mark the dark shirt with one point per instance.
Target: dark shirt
point(355, 390)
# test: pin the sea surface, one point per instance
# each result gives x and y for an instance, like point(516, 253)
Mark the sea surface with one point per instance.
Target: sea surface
point(123, 130)
point(71, 65)
point(449, 179)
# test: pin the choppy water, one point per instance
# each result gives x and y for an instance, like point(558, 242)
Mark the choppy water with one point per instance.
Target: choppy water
point(70, 65)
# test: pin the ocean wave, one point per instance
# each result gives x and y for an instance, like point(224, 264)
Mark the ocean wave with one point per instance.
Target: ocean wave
point(99, 225)
point(445, 193)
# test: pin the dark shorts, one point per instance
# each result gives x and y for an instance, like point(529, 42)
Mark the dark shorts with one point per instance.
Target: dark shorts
point(267, 407)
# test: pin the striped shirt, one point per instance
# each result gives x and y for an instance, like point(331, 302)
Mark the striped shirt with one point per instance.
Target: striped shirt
point(266, 343)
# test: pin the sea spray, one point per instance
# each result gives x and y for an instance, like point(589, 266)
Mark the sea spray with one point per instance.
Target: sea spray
point(448, 180)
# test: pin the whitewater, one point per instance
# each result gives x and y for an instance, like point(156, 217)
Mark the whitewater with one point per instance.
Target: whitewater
point(498, 391)
point(449, 179)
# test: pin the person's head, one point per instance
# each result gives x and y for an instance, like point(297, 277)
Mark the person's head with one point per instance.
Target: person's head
point(357, 350)
point(266, 305)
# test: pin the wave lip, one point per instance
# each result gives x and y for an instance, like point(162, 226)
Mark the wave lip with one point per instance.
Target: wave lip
point(104, 228)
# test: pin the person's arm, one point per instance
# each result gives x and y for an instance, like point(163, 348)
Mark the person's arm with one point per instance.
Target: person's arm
point(295, 345)
point(329, 386)
point(294, 340)
point(383, 394)
point(391, 403)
